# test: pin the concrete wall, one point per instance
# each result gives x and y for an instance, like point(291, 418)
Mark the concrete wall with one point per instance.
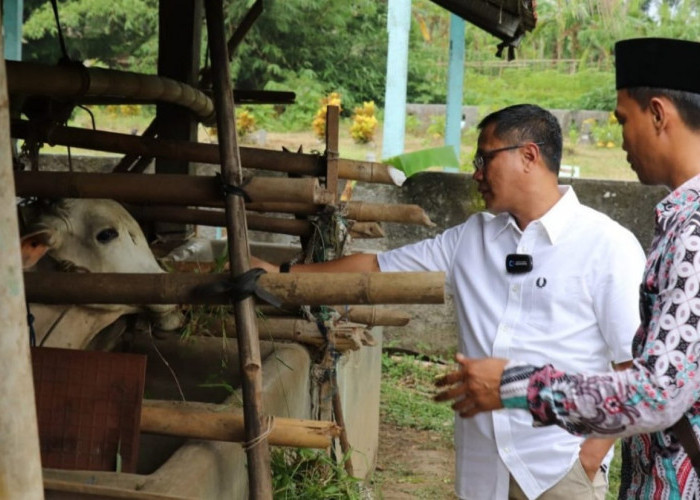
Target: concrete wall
point(425, 114)
point(449, 199)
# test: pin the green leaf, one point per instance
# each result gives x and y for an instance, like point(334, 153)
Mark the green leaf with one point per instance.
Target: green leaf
point(417, 161)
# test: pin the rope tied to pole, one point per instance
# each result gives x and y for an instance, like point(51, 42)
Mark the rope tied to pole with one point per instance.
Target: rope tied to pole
point(241, 287)
point(270, 420)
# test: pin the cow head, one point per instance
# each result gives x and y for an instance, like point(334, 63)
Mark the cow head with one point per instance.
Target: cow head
point(97, 236)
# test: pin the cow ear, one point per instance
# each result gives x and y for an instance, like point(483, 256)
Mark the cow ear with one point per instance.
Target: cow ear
point(34, 246)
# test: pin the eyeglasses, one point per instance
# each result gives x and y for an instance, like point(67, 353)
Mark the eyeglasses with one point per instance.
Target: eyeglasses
point(481, 159)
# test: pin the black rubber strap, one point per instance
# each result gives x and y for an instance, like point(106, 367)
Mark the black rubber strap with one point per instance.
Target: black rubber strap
point(32, 332)
point(241, 287)
point(230, 189)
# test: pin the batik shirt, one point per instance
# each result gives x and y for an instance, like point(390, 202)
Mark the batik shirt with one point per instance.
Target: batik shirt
point(664, 383)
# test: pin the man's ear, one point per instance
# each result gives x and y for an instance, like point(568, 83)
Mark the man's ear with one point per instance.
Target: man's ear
point(530, 153)
point(659, 115)
point(34, 247)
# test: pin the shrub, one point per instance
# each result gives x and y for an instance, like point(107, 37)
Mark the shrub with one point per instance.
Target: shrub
point(607, 134)
point(364, 123)
point(319, 122)
point(245, 122)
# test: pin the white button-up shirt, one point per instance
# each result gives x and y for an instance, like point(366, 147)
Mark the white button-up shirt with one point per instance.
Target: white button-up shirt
point(576, 308)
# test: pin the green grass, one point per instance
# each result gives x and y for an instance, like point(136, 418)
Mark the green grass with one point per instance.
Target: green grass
point(614, 474)
point(406, 401)
point(311, 475)
point(406, 395)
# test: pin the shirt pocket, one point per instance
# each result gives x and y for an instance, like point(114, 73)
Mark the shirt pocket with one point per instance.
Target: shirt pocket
point(555, 301)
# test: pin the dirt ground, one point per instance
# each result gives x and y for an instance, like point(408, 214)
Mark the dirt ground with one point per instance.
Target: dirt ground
point(412, 464)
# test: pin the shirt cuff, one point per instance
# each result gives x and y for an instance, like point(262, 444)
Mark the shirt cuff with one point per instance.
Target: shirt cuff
point(514, 384)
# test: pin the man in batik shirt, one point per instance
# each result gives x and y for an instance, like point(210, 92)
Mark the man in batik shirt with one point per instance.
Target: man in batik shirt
point(658, 106)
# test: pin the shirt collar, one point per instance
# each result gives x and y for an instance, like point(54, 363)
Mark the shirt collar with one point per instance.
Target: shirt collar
point(686, 192)
point(554, 221)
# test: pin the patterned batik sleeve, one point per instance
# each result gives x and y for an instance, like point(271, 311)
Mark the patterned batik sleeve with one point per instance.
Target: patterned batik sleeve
point(664, 380)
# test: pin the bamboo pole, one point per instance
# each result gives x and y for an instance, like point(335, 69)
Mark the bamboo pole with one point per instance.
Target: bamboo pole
point(218, 423)
point(217, 218)
point(367, 315)
point(359, 230)
point(263, 159)
point(26, 78)
point(332, 146)
point(20, 461)
point(146, 146)
point(162, 189)
point(347, 336)
point(284, 207)
point(406, 214)
point(340, 420)
point(294, 289)
point(356, 210)
point(364, 171)
point(374, 316)
point(258, 451)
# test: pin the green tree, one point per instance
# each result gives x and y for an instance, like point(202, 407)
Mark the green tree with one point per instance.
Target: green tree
point(341, 44)
point(116, 33)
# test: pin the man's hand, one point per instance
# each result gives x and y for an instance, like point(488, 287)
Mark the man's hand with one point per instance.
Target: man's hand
point(475, 387)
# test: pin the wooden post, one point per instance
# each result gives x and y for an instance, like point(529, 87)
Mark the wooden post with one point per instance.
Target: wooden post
point(20, 462)
point(332, 146)
point(258, 452)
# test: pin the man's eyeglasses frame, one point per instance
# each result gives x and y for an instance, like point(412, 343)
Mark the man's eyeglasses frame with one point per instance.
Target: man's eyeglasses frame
point(481, 159)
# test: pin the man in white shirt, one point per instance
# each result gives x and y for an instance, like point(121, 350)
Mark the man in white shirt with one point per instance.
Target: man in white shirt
point(539, 277)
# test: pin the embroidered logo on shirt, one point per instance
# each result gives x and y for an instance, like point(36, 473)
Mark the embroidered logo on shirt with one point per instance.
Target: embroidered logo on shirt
point(541, 282)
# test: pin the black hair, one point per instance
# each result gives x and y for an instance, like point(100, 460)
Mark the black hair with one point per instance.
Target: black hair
point(687, 103)
point(528, 123)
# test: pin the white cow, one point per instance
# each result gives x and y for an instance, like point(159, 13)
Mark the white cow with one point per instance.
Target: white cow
point(87, 236)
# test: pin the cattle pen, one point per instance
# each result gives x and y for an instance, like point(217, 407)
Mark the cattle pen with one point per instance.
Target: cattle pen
point(306, 368)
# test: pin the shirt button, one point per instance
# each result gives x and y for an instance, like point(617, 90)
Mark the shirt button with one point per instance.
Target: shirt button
point(515, 288)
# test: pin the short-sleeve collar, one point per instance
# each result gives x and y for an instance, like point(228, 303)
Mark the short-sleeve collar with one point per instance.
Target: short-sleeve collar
point(554, 222)
point(687, 192)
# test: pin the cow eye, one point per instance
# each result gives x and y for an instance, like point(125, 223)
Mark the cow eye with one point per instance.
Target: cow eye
point(107, 235)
